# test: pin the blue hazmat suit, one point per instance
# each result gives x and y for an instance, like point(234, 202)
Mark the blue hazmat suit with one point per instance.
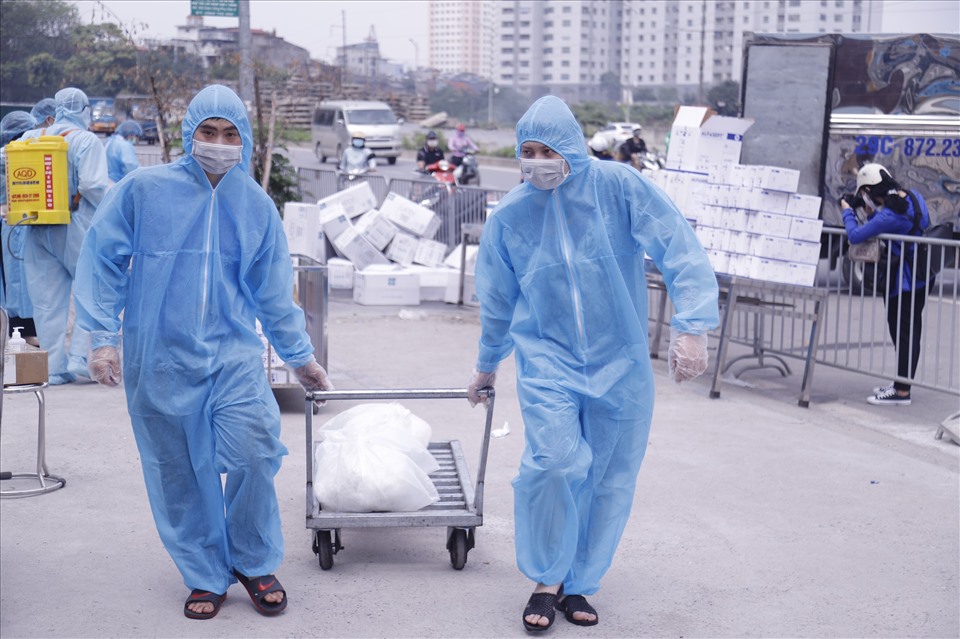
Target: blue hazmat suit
point(45, 108)
point(121, 156)
point(560, 279)
point(51, 251)
point(13, 292)
point(193, 268)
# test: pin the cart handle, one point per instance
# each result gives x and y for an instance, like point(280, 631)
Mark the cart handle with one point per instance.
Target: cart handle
point(422, 393)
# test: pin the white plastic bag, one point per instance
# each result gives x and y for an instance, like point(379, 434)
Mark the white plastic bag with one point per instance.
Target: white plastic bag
point(374, 458)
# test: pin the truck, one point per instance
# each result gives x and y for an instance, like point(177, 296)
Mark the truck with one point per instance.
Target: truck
point(826, 104)
point(103, 116)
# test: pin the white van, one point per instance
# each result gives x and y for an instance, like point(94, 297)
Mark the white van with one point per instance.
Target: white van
point(334, 123)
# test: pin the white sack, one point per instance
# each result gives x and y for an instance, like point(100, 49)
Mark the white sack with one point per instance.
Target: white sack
point(374, 458)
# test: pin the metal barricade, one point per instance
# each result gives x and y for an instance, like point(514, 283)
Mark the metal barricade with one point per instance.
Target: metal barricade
point(316, 184)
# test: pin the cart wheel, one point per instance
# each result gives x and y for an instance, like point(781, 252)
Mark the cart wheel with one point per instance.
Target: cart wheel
point(324, 548)
point(458, 548)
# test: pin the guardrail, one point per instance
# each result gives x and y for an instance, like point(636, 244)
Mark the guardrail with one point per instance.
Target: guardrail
point(853, 332)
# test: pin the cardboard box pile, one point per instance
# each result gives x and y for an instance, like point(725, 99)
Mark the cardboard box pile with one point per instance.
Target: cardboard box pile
point(386, 255)
point(750, 219)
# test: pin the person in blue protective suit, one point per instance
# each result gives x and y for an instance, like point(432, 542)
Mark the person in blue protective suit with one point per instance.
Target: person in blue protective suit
point(194, 255)
point(13, 279)
point(50, 251)
point(44, 112)
point(895, 211)
point(121, 156)
point(560, 279)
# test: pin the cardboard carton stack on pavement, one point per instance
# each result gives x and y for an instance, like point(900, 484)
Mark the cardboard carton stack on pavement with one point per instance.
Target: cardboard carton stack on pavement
point(749, 218)
point(386, 255)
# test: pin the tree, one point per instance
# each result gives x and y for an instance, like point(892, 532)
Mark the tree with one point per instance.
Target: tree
point(724, 98)
point(34, 28)
point(102, 59)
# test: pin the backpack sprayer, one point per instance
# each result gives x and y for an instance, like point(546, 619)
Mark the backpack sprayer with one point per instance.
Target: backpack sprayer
point(37, 187)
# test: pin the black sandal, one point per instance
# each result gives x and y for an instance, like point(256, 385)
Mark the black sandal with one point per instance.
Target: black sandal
point(203, 596)
point(543, 604)
point(257, 587)
point(577, 603)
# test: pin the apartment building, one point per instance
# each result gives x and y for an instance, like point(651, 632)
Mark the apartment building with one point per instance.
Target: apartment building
point(570, 47)
point(461, 36)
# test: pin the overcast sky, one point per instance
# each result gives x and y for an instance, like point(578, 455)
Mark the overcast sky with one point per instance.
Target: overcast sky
point(318, 26)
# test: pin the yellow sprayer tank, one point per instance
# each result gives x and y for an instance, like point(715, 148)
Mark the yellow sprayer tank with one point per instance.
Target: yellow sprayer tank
point(37, 189)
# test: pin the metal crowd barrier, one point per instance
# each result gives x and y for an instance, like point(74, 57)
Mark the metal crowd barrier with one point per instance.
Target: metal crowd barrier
point(852, 332)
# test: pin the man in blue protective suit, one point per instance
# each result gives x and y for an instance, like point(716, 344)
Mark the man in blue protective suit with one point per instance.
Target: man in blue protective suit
point(51, 250)
point(560, 278)
point(44, 112)
point(13, 283)
point(121, 156)
point(194, 254)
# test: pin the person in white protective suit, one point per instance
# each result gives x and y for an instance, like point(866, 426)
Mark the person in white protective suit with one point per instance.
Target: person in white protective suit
point(121, 156)
point(193, 253)
point(560, 279)
point(51, 250)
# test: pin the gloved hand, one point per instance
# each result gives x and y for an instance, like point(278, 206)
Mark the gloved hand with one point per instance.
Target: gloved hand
point(312, 376)
point(104, 365)
point(687, 356)
point(477, 381)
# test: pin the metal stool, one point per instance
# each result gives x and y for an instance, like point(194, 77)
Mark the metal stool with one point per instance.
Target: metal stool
point(24, 484)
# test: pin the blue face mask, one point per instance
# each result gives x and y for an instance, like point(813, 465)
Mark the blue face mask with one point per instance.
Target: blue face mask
point(358, 144)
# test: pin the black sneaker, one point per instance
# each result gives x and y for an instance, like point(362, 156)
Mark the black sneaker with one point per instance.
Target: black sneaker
point(888, 397)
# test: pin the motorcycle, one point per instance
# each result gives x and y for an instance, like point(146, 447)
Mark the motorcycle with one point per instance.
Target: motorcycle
point(453, 205)
point(348, 177)
point(650, 161)
point(468, 171)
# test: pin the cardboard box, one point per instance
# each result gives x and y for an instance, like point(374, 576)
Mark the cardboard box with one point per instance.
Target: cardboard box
point(355, 200)
point(453, 258)
point(720, 141)
point(410, 216)
point(805, 230)
point(685, 136)
point(469, 291)
point(429, 252)
point(305, 236)
point(378, 230)
point(805, 206)
point(403, 248)
point(769, 201)
point(801, 274)
point(777, 178)
point(805, 252)
point(333, 219)
point(434, 281)
point(25, 367)
point(772, 224)
point(340, 273)
point(386, 286)
point(358, 249)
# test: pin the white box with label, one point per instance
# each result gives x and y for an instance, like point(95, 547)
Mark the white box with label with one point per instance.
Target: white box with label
point(805, 206)
point(355, 200)
point(805, 229)
point(386, 286)
point(378, 230)
point(402, 248)
point(410, 216)
point(305, 235)
point(358, 249)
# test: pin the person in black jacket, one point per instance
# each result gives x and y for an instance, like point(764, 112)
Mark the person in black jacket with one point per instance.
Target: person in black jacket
point(430, 152)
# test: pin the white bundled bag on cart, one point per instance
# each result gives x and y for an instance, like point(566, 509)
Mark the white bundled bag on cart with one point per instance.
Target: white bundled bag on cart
point(374, 458)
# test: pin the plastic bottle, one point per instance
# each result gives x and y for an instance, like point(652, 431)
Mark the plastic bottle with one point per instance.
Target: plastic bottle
point(17, 344)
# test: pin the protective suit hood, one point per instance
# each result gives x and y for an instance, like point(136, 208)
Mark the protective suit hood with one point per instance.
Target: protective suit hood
point(13, 124)
point(550, 122)
point(45, 108)
point(218, 101)
point(71, 103)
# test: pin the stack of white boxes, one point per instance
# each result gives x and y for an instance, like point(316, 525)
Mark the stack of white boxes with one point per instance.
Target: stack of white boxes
point(750, 219)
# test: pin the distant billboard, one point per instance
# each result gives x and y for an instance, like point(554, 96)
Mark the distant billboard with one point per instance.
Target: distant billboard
point(219, 8)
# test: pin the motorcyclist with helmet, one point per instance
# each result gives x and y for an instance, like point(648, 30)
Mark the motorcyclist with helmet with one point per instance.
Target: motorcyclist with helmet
point(357, 158)
point(600, 147)
point(430, 152)
point(460, 144)
point(632, 148)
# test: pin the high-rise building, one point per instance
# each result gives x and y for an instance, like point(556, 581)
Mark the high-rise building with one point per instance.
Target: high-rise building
point(461, 36)
point(583, 49)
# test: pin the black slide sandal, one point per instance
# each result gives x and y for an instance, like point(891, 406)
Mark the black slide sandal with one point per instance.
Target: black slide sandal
point(577, 603)
point(257, 587)
point(543, 604)
point(203, 596)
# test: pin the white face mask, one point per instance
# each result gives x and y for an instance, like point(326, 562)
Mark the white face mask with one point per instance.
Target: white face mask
point(216, 159)
point(432, 143)
point(544, 174)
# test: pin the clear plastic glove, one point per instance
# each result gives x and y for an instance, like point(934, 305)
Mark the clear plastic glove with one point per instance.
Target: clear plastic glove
point(478, 381)
point(104, 365)
point(687, 357)
point(312, 376)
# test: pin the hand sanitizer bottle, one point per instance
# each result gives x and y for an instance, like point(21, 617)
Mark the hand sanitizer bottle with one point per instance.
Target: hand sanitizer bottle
point(17, 344)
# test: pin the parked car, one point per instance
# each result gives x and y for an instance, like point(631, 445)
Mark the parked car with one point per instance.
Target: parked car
point(150, 135)
point(617, 132)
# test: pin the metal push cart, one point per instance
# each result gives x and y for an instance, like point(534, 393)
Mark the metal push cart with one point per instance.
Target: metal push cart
point(460, 508)
point(313, 297)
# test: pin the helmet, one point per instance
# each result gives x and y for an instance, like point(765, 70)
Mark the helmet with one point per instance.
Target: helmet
point(461, 127)
point(876, 179)
point(637, 130)
point(431, 135)
point(598, 143)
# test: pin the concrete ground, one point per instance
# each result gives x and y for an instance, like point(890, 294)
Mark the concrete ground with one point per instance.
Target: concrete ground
point(753, 517)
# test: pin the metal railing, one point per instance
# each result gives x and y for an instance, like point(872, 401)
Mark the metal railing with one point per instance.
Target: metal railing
point(853, 334)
